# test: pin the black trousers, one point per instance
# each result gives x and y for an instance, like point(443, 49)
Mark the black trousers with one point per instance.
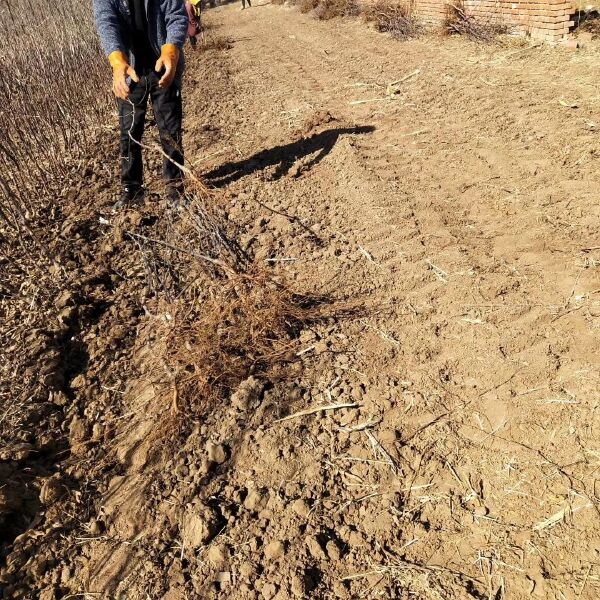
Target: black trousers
point(168, 113)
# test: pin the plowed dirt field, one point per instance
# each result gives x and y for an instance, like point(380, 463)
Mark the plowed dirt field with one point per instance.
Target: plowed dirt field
point(445, 190)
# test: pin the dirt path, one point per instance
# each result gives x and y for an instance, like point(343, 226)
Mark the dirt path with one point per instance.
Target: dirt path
point(461, 203)
point(449, 191)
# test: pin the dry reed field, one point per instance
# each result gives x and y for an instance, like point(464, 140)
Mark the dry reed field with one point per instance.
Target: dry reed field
point(53, 98)
point(362, 362)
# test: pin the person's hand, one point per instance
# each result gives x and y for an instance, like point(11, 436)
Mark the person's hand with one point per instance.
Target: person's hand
point(121, 70)
point(169, 58)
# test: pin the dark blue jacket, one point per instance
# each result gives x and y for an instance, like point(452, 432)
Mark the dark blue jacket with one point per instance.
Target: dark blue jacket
point(167, 24)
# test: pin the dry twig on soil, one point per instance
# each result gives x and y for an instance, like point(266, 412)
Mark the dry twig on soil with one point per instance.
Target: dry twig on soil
point(458, 22)
point(396, 19)
point(317, 409)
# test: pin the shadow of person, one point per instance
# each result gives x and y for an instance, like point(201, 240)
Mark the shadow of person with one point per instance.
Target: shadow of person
point(283, 157)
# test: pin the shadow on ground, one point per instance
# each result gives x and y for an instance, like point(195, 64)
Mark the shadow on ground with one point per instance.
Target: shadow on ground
point(283, 157)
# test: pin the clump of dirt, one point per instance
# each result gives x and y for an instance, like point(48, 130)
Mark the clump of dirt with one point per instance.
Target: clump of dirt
point(215, 42)
point(313, 121)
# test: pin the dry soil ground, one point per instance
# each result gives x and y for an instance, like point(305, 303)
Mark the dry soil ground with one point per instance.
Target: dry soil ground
point(452, 190)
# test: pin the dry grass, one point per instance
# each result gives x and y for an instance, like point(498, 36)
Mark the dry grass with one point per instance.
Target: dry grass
point(396, 19)
point(229, 318)
point(329, 9)
point(244, 327)
point(458, 22)
point(588, 20)
point(353, 8)
point(247, 325)
point(305, 6)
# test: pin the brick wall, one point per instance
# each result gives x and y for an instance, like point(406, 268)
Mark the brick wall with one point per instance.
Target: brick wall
point(547, 20)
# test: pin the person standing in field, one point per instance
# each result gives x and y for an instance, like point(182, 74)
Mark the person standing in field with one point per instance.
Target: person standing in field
point(143, 40)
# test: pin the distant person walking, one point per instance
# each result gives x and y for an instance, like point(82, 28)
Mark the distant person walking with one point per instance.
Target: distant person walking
point(194, 11)
point(143, 41)
point(244, 4)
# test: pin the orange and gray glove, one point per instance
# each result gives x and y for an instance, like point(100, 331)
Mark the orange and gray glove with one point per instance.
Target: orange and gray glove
point(121, 70)
point(169, 58)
